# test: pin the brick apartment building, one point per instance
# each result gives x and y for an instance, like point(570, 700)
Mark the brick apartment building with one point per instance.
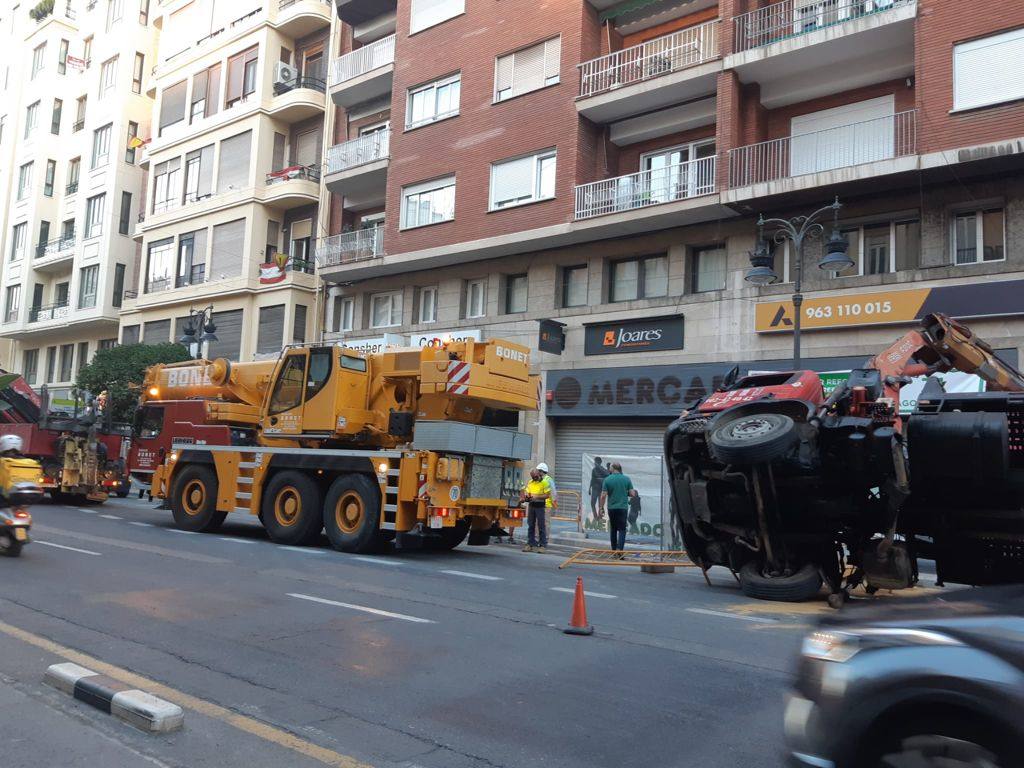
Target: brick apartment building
point(603, 163)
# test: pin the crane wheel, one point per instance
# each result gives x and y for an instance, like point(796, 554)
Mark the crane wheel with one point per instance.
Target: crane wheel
point(352, 514)
point(291, 508)
point(194, 500)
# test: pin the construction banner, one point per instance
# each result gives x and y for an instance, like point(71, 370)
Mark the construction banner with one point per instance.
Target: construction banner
point(989, 298)
point(644, 518)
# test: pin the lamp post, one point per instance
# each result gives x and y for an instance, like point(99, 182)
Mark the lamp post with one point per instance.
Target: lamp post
point(798, 230)
point(199, 330)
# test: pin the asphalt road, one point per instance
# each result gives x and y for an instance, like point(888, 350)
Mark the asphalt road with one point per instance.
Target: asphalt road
point(309, 657)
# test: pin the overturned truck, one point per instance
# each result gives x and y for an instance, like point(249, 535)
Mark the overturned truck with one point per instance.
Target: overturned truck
point(789, 488)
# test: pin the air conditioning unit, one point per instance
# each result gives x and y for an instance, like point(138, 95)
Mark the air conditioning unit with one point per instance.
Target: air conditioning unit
point(285, 77)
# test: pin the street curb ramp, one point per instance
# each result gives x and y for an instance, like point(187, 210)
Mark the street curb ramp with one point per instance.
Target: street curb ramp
point(138, 708)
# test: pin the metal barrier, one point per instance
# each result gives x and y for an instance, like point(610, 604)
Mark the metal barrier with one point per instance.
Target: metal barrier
point(630, 557)
point(569, 500)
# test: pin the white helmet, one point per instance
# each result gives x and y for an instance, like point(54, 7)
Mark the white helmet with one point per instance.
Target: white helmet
point(10, 443)
point(542, 467)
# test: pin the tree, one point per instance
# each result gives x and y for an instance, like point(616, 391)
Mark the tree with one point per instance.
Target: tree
point(119, 372)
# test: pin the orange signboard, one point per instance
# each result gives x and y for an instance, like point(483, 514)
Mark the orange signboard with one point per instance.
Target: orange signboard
point(842, 311)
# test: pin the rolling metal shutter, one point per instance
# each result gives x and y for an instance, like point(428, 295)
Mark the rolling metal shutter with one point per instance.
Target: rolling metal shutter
point(156, 332)
point(233, 166)
point(226, 253)
point(620, 437)
point(229, 335)
point(270, 336)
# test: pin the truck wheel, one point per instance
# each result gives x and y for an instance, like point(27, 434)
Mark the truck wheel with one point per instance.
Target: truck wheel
point(449, 538)
point(291, 508)
point(352, 514)
point(801, 585)
point(756, 438)
point(194, 500)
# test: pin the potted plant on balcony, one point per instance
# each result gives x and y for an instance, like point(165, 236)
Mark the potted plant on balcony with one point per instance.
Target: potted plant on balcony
point(43, 9)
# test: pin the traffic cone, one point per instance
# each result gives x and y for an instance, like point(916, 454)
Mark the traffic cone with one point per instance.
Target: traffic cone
point(578, 623)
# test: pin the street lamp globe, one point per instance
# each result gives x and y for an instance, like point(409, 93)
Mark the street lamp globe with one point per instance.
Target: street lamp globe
point(188, 336)
point(761, 272)
point(209, 332)
point(836, 258)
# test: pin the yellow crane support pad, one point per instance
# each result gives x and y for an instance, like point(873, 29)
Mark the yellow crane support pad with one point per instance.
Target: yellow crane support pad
point(637, 557)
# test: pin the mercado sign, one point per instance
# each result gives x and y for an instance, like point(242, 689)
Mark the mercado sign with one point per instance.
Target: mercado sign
point(991, 298)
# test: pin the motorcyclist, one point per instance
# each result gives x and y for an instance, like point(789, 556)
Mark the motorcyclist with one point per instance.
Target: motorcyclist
point(19, 475)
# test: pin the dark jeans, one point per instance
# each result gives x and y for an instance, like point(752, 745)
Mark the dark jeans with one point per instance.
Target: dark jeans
point(537, 523)
point(617, 527)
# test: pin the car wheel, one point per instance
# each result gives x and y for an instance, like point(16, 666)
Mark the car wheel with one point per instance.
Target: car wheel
point(939, 751)
point(756, 438)
point(795, 587)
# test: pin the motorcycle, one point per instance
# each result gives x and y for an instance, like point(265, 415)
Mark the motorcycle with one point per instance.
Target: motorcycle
point(21, 487)
point(15, 523)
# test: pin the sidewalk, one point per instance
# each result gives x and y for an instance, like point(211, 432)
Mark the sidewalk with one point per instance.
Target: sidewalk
point(565, 536)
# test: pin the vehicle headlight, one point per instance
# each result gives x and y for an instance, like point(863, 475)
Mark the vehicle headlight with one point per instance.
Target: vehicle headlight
point(841, 646)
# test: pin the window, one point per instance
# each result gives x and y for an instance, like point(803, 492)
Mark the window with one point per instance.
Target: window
point(51, 173)
point(159, 265)
point(62, 58)
point(527, 69)
point(242, 71)
point(299, 326)
point(51, 364)
point(44, 237)
point(988, 71)
point(61, 293)
point(133, 133)
point(428, 203)
point(101, 146)
point(74, 167)
point(978, 236)
point(83, 356)
point(24, 180)
point(385, 309)
point(191, 258)
point(908, 244)
point(199, 174)
point(58, 108)
point(130, 335)
point(574, 286)
point(67, 361)
point(87, 51)
point(428, 305)
point(476, 298)
point(709, 269)
point(227, 250)
point(118, 297)
point(31, 118)
point(433, 101)
point(106, 344)
point(38, 60)
point(143, 12)
point(94, 210)
point(138, 66)
point(166, 185)
point(515, 294)
point(88, 281)
point(81, 104)
point(271, 330)
point(233, 163)
point(427, 13)
point(205, 93)
point(344, 313)
point(124, 220)
point(172, 105)
point(30, 365)
point(641, 278)
point(19, 238)
point(288, 390)
point(523, 180)
point(115, 10)
point(108, 75)
point(12, 302)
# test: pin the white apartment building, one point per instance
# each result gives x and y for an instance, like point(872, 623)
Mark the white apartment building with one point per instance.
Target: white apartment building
point(232, 212)
point(76, 89)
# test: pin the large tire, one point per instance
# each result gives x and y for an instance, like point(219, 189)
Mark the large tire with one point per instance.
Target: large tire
point(755, 438)
point(291, 508)
point(194, 500)
point(9, 547)
point(449, 538)
point(802, 585)
point(352, 514)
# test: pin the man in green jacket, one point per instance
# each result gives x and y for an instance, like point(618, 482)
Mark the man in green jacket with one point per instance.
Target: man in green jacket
point(616, 491)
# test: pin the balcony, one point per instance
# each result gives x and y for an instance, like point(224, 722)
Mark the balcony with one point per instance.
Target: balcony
point(58, 311)
point(71, 188)
point(858, 151)
point(349, 247)
point(845, 43)
point(293, 187)
point(363, 74)
point(667, 70)
point(358, 169)
point(298, 99)
point(299, 18)
point(53, 256)
point(683, 181)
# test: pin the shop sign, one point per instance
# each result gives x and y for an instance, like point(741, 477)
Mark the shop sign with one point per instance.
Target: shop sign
point(374, 345)
point(974, 300)
point(653, 334)
point(443, 337)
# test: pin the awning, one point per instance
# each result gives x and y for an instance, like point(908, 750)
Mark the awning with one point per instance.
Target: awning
point(626, 7)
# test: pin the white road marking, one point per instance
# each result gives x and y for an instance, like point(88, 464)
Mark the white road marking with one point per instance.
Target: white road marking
point(377, 560)
point(585, 592)
point(141, 525)
point(481, 576)
point(88, 511)
point(305, 550)
point(236, 541)
point(178, 530)
point(724, 615)
point(363, 608)
point(70, 549)
point(111, 517)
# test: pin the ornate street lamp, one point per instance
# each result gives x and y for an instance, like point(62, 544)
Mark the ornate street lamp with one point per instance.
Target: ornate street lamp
point(198, 320)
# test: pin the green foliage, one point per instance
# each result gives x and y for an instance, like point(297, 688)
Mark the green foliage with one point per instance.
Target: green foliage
point(43, 9)
point(120, 370)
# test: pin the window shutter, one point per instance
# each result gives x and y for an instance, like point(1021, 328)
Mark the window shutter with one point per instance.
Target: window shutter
point(427, 13)
point(270, 336)
point(299, 326)
point(235, 70)
point(552, 54)
point(511, 180)
point(226, 254)
point(130, 334)
point(306, 149)
point(229, 335)
point(156, 332)
point(199, 85)
point(213, 91)
point(503, 77)
point(529, 70)
point(199, 247)
point(172, 105)
point(206, 170)
point(302, 229)
point(233, 168)
point(988, 71)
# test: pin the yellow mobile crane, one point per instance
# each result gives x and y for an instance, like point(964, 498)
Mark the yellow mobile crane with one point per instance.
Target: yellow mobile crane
point(418, 446)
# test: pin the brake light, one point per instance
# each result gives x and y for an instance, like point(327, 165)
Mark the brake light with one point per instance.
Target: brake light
point(21, 514)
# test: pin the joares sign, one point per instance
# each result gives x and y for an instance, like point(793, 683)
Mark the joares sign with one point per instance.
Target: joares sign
point(648, 335)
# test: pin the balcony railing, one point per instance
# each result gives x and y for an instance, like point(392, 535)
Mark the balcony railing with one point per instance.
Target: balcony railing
point(196, 275)
point(349, 247)
point(289, 3)
point(313, 83)
point(158, 284)
point(56, 311)
point(55, 247)
point(307, 172)
point(363, 60)
point(792, 18)
point(842, 147)
point(71, 188)
point(653, 58)
point(639, 190)
point(78, 125)
point(366, 149)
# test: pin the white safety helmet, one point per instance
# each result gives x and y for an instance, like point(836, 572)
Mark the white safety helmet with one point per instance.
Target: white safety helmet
point(542, 467)
point(10, 443)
